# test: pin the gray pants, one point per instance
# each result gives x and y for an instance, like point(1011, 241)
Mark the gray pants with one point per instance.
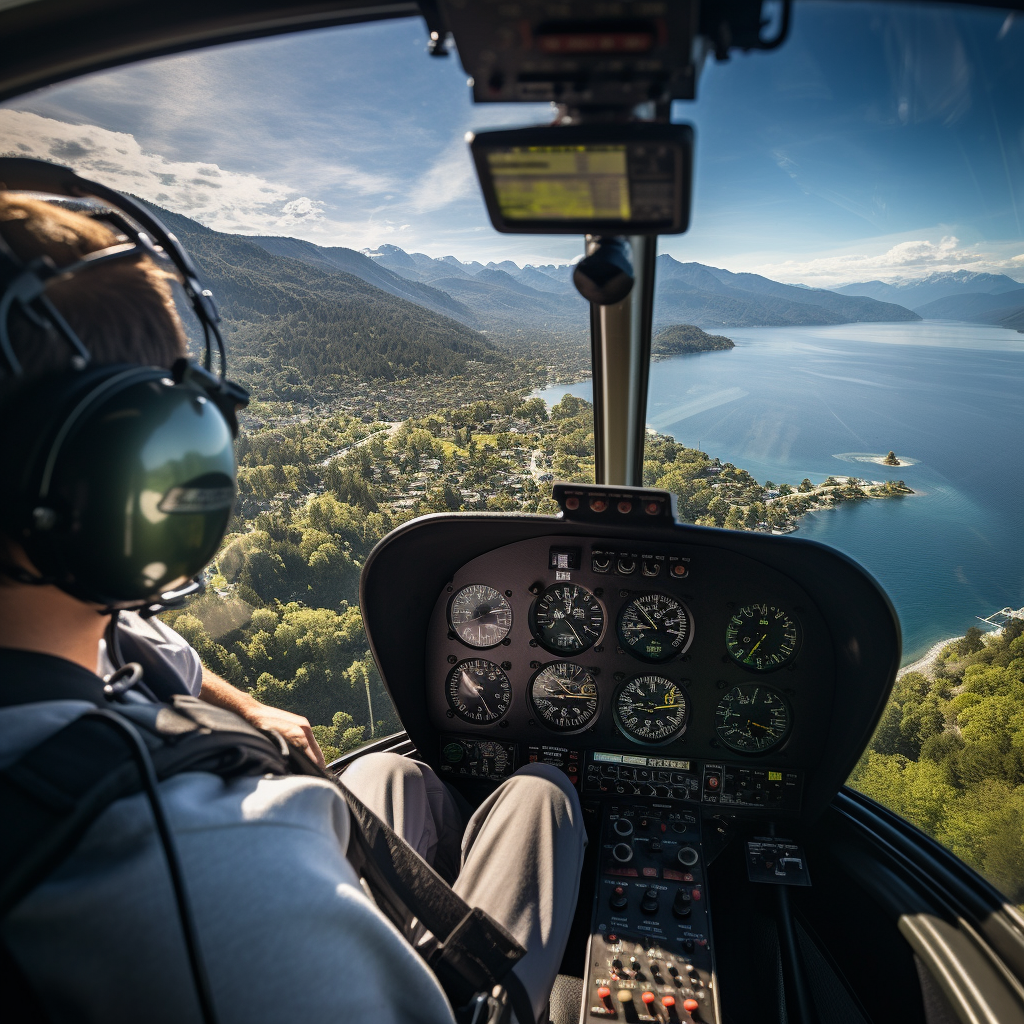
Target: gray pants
point(519, 856)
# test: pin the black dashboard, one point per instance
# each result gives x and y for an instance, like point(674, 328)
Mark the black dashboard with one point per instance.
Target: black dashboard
point(644, 657)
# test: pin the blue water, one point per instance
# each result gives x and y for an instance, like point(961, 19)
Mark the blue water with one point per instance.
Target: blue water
point(789, 403)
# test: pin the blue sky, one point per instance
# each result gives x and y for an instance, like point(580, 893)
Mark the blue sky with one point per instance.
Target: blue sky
point(878, 142)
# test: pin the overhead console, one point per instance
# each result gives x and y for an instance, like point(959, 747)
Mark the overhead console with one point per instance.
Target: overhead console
point(735, 672)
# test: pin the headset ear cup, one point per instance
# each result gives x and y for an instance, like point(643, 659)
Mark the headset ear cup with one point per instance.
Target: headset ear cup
point(130, 490)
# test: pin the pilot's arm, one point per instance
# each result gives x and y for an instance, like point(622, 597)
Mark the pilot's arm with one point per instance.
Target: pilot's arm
point(175, 653)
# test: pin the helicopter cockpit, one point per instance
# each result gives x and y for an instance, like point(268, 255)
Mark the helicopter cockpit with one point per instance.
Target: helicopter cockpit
point(706, 692)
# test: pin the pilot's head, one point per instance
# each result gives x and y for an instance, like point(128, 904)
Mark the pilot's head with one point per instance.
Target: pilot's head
point(123, 312)
point(118, 471)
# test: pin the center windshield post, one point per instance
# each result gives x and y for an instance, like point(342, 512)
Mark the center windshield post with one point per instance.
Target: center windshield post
point(620, 338)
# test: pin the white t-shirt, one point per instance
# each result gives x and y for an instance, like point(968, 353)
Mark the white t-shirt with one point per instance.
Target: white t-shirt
point(175, 651)
point(286, 932)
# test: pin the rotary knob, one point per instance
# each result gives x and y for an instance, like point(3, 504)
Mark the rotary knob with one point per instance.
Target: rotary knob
point(622, 827)
point(687, 856)
point(622, 852)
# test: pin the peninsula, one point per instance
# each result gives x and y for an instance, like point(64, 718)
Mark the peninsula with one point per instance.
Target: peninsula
point(682, 339)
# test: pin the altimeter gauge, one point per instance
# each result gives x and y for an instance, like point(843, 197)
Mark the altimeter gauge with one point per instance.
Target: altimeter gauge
point(480, 616)
point(567, 619)
point(762, 637)
point(478, 691)
point(655, 627)
point(651, 709)
point(752, 719)
point(564, 696)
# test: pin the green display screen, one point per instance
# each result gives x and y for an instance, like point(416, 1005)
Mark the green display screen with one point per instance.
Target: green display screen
point(543, 183)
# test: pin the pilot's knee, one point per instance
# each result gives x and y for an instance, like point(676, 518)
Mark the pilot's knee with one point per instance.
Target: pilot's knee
point(382, 769)
point(544, 783)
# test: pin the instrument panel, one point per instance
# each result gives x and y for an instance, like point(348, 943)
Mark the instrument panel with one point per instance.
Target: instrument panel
point(693, 654)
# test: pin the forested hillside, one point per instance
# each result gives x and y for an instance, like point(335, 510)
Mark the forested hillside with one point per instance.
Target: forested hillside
point(289, 322)
point(949, 754)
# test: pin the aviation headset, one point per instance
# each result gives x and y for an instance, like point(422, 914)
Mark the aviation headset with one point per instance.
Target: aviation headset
point(119, 478)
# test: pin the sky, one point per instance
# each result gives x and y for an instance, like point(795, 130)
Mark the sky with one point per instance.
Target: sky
point(877, 143)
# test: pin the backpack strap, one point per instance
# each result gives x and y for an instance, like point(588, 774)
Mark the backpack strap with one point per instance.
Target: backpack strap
point(61, 786)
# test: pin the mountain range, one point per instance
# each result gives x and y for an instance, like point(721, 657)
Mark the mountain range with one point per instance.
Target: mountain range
point(302, 313)
point(510, 301)
point(953, 295)
point(293, 307)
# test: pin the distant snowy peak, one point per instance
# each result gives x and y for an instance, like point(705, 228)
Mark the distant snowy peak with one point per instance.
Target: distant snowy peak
point(917, 292)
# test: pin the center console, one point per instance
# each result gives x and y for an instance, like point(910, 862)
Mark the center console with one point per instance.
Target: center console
point(650, 956)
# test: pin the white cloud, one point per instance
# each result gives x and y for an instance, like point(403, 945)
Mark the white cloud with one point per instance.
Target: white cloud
point(301, 210)
point(903, 261)
point(450, 178)
point(223, 199)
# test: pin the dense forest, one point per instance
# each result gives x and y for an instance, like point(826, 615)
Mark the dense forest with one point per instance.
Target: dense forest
point(948, 754)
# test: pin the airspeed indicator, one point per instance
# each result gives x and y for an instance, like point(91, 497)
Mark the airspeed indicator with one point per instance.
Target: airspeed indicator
point(655, 627)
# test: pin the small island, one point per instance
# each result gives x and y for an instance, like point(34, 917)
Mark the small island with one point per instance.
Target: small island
point(891, 460)
point(683, 339)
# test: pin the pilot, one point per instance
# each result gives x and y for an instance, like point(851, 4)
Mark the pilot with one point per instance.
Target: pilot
point(284, 929)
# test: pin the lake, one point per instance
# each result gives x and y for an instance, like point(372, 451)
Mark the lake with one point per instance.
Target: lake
point(795, 402)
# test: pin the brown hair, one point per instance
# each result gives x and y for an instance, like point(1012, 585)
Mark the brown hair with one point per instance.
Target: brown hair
point(123, 311)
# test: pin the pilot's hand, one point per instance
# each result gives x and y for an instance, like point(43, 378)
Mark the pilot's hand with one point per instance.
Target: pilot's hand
point(292, 727)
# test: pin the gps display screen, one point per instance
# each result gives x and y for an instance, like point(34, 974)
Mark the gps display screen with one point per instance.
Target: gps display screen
point(561, 182)
point(619, 178)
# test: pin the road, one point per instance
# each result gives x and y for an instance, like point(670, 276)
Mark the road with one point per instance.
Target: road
point(391, 428)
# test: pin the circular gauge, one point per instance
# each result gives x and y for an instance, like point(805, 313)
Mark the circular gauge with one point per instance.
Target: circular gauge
point(564, 696)
point(654, 627)
point(480, 616)
point(762, 637)
point(752, 719)
point(478, 691)
point(651, 709)
point(567, 619)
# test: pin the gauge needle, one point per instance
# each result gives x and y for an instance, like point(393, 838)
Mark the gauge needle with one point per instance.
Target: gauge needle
point(640, 609)
point(758, 644)
point(573, 628)
point(475, 688)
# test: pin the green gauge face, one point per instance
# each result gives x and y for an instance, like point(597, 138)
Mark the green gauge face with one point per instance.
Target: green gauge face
point(762, 637)
point(480, 616)
point(564, 696)
point(567, 619)
point(752, 719)
point(651, 709)
point(654, 627)
point(478, 691)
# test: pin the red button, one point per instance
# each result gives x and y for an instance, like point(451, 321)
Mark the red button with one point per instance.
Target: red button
point(695, 893)
point(668, 1001)
point(712, 782)
point(604, 992)
point(691, 1005)
point(648, 998)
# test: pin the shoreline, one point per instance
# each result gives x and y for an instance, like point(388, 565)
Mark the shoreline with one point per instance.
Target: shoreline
point(928, 659)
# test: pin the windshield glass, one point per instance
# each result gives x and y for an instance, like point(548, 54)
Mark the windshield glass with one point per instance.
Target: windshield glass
point(838, 345)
